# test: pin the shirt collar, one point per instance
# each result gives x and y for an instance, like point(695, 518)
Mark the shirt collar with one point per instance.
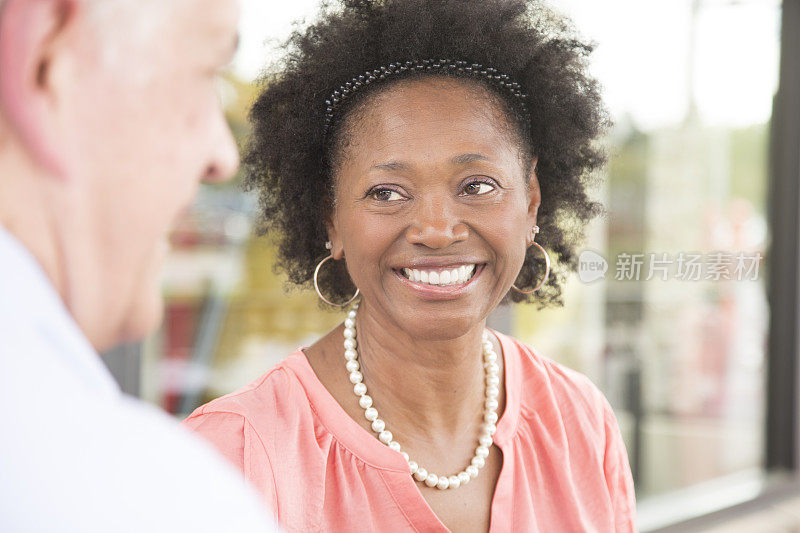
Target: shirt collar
point(29, 300)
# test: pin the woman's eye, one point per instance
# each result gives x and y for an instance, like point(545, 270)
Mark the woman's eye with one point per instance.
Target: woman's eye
point(477, 187)
point(385, 195)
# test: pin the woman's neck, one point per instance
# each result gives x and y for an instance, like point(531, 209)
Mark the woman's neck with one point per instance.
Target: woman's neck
point(433, 389)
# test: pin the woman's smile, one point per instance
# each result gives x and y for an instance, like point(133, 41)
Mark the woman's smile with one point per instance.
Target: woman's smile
point(439, 283)
point(450, 275)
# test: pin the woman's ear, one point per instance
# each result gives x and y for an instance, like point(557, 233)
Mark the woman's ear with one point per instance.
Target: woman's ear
point(534, 192)
point(336, 248)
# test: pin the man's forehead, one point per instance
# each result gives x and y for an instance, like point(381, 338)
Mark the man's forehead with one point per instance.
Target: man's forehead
point(208, 20)
point(157, 34)
point(193, 22)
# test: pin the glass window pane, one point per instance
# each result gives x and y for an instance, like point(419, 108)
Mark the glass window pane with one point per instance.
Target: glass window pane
point(674, 332)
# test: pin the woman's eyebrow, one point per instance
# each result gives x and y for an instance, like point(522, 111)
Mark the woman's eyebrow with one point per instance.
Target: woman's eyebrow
point(391, 165)
point(462, 159)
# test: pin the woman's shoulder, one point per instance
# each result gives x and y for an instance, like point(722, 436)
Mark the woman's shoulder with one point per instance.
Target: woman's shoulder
point(545, 383)
point(564, 411)
point(261, 400)
point(242, 425)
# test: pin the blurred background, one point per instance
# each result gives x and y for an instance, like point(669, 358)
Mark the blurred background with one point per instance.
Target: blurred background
point(684, 307)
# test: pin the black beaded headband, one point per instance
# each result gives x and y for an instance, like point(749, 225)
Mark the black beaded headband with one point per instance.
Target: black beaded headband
point(426, 65)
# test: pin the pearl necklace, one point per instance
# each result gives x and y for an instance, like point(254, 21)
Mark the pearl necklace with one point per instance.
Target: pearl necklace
point(385, 436)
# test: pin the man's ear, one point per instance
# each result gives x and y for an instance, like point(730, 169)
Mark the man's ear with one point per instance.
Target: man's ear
point(30, 32)
point(534, 192)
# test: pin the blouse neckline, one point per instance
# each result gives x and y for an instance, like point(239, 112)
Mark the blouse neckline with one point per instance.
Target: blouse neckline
point(369, 449)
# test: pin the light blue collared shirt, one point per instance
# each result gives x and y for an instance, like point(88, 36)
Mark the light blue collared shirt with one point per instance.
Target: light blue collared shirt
point(78, 455)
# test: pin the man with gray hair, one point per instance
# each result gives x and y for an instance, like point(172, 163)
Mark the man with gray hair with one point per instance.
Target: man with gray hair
point(109, 119)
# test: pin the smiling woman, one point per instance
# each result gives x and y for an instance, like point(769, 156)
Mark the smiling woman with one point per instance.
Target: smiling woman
point(409, 153)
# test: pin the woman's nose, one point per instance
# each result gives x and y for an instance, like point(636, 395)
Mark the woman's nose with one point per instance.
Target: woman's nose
point(435, 225)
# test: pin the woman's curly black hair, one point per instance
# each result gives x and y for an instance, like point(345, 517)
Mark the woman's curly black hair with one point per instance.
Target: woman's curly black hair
point(290, 158)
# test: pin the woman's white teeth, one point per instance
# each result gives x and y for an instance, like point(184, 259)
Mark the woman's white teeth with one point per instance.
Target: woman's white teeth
point(440, 276)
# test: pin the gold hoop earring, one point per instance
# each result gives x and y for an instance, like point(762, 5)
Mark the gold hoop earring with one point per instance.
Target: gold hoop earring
point(546, 266)
point(316, 286)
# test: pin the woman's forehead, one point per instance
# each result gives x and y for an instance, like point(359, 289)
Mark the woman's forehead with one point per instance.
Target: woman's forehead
point(447, 97)
point(429, 113)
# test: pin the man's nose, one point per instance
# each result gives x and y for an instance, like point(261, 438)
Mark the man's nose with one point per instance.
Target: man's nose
point(224, 161)
point(435, 224)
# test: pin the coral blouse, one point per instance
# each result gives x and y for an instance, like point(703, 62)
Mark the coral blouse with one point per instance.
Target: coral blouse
point(565, 468)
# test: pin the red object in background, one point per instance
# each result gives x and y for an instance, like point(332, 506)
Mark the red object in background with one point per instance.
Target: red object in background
point(180, 329)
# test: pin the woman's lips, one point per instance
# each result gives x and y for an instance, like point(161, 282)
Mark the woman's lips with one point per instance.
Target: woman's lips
point(441, 276)
point(442, 291)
